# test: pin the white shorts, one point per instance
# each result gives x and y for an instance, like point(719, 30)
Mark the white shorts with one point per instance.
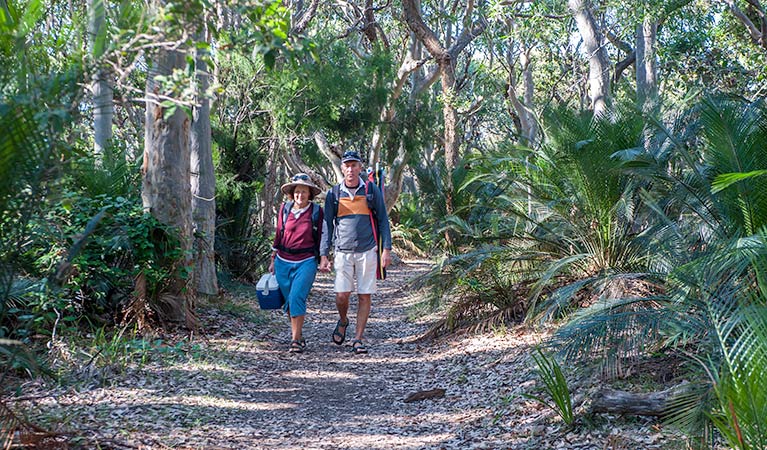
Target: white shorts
point(363, 265)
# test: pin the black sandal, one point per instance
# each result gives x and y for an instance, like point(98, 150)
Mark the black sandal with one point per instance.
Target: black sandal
point(358, 347)
point(337, 332)
point(297, 346)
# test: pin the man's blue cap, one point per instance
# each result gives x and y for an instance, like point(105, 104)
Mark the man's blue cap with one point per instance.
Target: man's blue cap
point(350, 155)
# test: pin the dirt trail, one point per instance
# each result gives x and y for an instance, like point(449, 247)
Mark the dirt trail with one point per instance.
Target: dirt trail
point(243, 390)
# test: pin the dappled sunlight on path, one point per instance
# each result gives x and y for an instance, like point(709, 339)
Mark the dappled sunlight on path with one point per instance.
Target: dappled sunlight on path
point(241, 389)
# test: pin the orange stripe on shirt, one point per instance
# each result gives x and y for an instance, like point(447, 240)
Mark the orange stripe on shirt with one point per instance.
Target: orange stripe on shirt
point(348, 206)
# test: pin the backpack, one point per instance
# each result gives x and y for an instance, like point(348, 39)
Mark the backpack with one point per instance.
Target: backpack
point(380, 271)
point(368, 197)
point(316, 230)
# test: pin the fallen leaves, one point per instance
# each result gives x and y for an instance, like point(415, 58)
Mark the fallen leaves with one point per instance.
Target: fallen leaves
point(240, 388)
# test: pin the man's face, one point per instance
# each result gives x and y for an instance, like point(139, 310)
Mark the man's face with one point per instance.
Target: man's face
point(351, 171)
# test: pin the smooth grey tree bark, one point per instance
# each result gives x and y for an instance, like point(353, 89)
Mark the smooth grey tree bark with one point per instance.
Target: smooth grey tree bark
point(646, 65)
point(203, 182)
point(166, 192)
point(101, 84)
point(599, 64)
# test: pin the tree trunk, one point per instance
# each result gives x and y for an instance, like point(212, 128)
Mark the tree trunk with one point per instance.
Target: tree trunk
point(445, 59)
point(525, 119)
point(268, 202)
point(203, 186)
point(450, 117)
point(103, 108)
point(331, 154)
point(528, 86)
point(166, 192)
point(646, 66)
point(599, 68)
point(301, 16)
point(396, 176)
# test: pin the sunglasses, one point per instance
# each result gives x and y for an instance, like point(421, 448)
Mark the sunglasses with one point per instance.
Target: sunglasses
point(300, 177)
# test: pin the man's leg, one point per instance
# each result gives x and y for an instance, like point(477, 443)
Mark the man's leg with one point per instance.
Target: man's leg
point(344, 283)
point(365, 269)
point(342, 305)
point(363, 312)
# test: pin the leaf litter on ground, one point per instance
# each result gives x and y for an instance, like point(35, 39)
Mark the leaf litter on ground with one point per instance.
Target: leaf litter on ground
point(241, 388)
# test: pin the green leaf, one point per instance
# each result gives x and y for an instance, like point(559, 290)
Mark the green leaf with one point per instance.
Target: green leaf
point(32, 14)
point(8, 16)
point(168, 113)
point(99, 41)
point(725, 180)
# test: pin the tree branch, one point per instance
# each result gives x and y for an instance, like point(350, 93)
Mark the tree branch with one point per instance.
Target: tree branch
point(753, 31)
point(422, 31)
point(330, 152)
point(304, 17)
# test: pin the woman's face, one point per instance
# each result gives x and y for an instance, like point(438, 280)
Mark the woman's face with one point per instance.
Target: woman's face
point(301, 196)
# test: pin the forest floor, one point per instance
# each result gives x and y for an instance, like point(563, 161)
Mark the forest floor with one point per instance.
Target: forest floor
point(237, 387)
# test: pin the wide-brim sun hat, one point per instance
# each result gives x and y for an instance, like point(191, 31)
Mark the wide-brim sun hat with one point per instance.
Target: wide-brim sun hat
point(300, 179)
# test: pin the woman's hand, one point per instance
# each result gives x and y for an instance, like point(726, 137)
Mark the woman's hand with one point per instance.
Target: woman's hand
point(324, 264)
point(271, 267)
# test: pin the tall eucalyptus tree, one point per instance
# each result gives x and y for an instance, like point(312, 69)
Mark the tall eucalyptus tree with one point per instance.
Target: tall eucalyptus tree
point(599, 64)
point(446, 57)
point(166, 190)
point(101, 85)
point(203, 179)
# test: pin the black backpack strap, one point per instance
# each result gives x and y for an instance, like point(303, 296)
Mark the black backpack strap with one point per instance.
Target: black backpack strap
point(287, 207)
point(282, 218)
point(281, 224)
point(316, 229)
point(336, 191)
point(370, 197)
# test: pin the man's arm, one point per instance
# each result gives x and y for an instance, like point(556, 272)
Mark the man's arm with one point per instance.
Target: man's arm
point(326, 240)
point(384, 230)
point(383, 219)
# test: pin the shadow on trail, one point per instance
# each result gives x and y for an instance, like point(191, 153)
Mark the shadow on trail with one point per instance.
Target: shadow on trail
point(248, 392)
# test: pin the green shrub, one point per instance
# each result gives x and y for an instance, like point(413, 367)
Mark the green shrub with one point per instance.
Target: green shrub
point(90, 252)
point(555, 385)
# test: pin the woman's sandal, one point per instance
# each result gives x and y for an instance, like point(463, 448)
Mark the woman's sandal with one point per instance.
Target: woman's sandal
point(297, 346)
point(358, 347)
point(337, 332)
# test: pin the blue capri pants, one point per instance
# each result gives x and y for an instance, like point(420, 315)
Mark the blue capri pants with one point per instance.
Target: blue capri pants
point(295, 280)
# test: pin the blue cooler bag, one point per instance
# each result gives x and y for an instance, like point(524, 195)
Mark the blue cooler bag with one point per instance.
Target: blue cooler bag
point(268, 292)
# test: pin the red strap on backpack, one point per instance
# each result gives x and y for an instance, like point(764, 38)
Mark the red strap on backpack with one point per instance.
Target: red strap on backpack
point(380, 271)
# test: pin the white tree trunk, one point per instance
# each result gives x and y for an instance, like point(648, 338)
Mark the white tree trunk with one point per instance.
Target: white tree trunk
point(203, 187)
point(599, 67)
point(166, 192)
point(646, 65)
point(528, 86)
point(101, 86)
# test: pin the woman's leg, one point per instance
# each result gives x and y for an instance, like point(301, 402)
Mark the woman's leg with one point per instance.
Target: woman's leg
point(302, 278)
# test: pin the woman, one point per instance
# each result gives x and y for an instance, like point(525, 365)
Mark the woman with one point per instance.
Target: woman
point(295, 251)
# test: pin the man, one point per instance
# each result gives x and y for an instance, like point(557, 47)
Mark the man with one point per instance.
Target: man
point(352, 209)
